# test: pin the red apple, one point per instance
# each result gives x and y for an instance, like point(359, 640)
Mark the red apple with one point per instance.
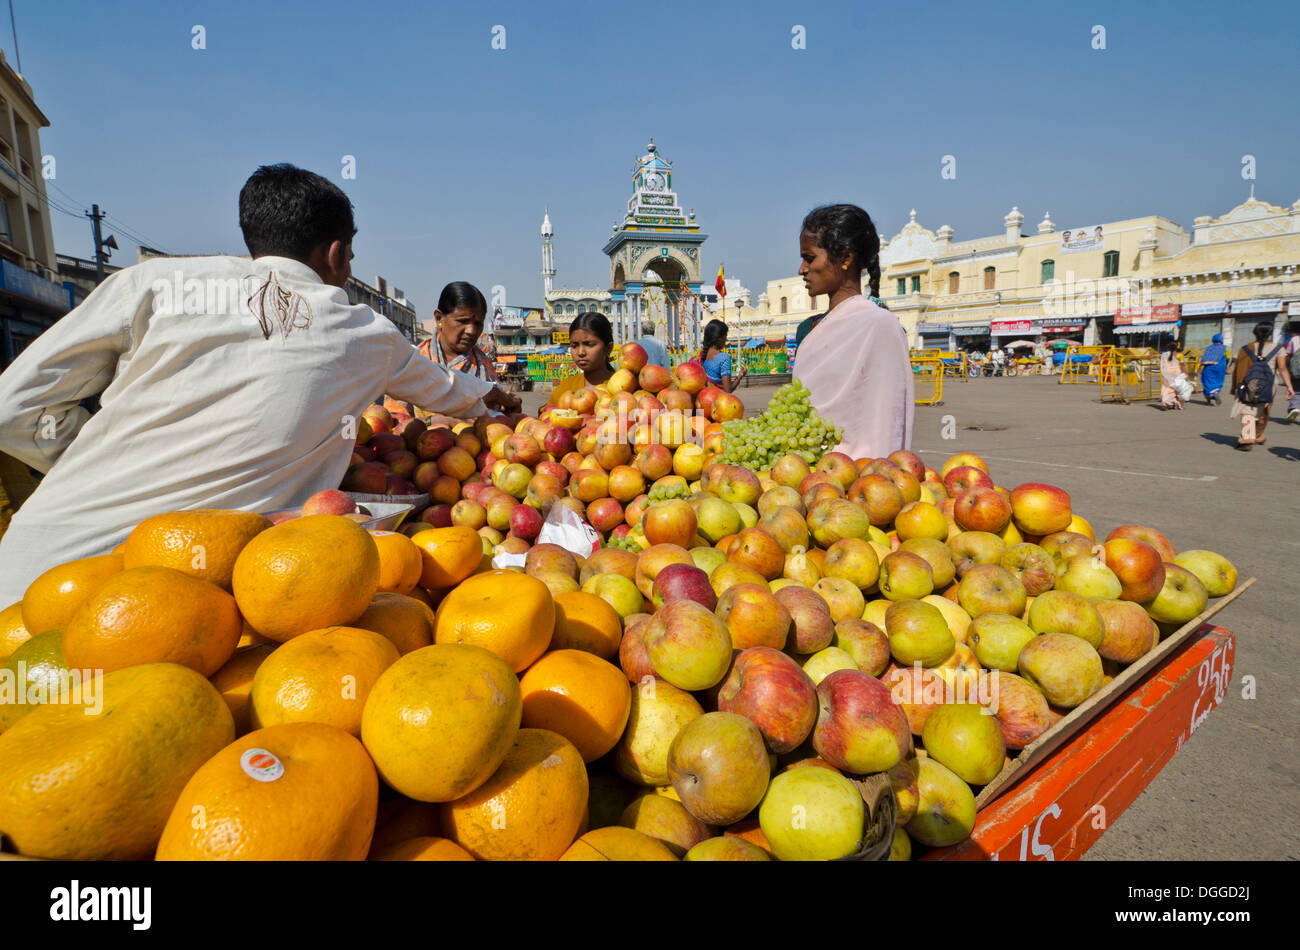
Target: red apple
point(704, 400)
point(727, 407)
point(859, 726)
point(396, 485)
point(878, 496)
point(1150, 535)
point(754, 616)
point(909, 462)
point(632, 356)
point(813, 628)
point(525, 522)
point(773, 692)
point(1040, 509)
point(605, 514)
point(653, 378)
point(689, 377)
point(1138, 566)
point(981, 509)
point(840, 467)
point(431, 443)
point(965, 477)
point(682, 582)
point(329, 502)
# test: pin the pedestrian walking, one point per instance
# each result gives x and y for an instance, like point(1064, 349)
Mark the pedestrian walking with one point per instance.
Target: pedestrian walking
point(1292, 352)
point(1170, 370)
point(1214, 367)
point(1253, 381)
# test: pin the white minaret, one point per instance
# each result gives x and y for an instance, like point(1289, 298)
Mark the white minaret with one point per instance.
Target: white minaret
point(548, 253)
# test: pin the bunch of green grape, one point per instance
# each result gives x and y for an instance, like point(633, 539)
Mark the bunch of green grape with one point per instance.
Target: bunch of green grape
point(674, 489)
point(625, 543)
point(789, 425)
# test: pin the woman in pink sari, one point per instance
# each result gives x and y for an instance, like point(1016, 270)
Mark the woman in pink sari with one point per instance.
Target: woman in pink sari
point(855, 359)
point(1170, 370)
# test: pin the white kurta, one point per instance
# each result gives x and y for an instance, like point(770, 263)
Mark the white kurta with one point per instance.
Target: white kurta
point(224, 382)
point(856, 366)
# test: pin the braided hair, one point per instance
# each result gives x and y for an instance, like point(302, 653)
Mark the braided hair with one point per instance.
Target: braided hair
point(847, 231)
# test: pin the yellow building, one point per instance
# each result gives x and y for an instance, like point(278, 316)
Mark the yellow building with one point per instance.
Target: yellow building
point(1099, 282)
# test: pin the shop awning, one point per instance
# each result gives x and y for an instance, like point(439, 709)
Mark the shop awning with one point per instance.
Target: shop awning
point(754, 343)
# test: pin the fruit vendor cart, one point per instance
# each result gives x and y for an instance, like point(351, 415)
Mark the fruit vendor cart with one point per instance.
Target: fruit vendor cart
point(1071, 784)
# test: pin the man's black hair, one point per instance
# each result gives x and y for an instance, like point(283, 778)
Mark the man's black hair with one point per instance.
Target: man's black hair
point(287, 211)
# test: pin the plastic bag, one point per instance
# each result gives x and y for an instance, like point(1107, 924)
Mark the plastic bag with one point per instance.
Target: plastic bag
point(1183, 386)
point(562, 527)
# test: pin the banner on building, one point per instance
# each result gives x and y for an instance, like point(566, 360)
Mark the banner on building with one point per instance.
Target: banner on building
point(560, 337)
point(1205, 307)
point(1081, 239)
point(1141, 316)
point(1257, 306)
point(1009, 327)
point(935, 329)
point(513, 318)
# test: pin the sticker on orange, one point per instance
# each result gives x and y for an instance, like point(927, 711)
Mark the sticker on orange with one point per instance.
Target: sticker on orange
point(261, 765)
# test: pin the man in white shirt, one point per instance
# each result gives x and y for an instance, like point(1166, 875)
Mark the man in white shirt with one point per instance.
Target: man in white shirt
point(223, 383)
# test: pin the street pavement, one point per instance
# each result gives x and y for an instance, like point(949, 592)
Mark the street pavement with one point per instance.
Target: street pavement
point(1231, 791)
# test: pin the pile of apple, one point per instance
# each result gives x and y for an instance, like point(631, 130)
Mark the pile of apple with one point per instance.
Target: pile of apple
point(791, 633)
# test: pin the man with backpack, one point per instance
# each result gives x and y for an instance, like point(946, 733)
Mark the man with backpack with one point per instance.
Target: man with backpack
point(1252, 384)
point(1292, 352)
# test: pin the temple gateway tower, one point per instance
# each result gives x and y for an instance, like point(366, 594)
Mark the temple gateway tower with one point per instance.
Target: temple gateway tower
point(654, 259)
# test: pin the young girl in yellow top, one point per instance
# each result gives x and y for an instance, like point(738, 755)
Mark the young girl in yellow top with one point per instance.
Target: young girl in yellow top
point(591, 342)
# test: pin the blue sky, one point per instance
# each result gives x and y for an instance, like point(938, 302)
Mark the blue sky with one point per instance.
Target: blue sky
point(459, 147)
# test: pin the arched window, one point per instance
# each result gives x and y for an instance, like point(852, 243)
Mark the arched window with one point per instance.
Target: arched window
point(954, 281)
point(568, 308)
point(785, 305)
point(1049, 271)
point(990, 277)
point(1111, 268)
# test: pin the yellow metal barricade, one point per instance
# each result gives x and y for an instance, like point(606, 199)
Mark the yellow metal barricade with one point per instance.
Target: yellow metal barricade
point(1191, 360)
point(1129, 375)
point(954, 364)
point(927, 379)
point(1083, 371)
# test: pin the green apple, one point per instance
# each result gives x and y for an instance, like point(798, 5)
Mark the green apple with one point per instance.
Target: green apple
point(918, 634)
point(718, 766)
point(1089, 576)
point(997, 640)
point(945, 813)
point(617, 591)
point(905, 576)
point(748, 516)
point(706, 559)
point(965, 738)
point(812, 814)
point(1215, 571)
point(874, 612)
point(958, 619)
point(825, 662)
point(659, 711)
point(901, 848)
point(1062, 611)
point(726, 848)
point(1066, 668)
point(1181, 599)
point(688, 645)
point(715, 519)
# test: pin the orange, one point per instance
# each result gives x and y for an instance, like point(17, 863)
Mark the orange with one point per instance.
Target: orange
point(422, 849)
point(153, 615)
point(406, 621)
point(580, 696)
point(302, 791)
point(440, 720)
point(94, 777)
point(305, 574)
point(12, 632)
point(322, 676)
point(400, 562)
point(531, 807)
point(506, 612)
point(51, 599)
point(204, 543)
point(35, 674)
point(402, 818)
point(448, 555)
point(584, 621)
point(615, 843)
point(235, 681)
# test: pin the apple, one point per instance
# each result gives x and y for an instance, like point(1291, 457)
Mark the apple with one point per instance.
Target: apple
point(1088, 576)
point(682, 582)
point(726, 848)
point(965, 738)
point(842, 597)
point(839, 466)
point(1020, 708)
point(396, 485)
point(961, 458)
point(707, 559)
point(855, 561)
point(588, 485)
point(918, 692)
point(558, 442)
point(617, 591)
point(970, 549)
point(1040, 509)
point(718, 767)
point(754, 616)
point(919, 519)
point(689, 377)
point(768, 687)
point(1066, 668)
point(963, 478)
point(654, 461)
point(1137, 565)
point(813, 629)
point(675, 400)
point(632, 356)
point(605, 514)
point(727, 407)
point(935, 553)
point(653, 560)
point(688, 646)
point(608, 561)
point(525, 522)
point(756, 549)
point(833, 519)
point(611, 455)
point(716, 519)
point(997, 640)
point(982, 509)
point(658, 713)
point(728, 574)
point(812, 814)
point(1065, 546)
point(790, 470)
point(824, 662)
point(704, 400)
point(625, 483)
point(468, 514)
point(329, 502)
point(688, 461)
point(632, 657)
point(905, 576)
point(988, 588)
point(865, 643)
point(780, 496)
point(665, 819)
point(859, 726)
point(1032, 566)
point(369, 478)
point(1181, 597)
point(918, 633)
point(1151, 536)
point(945, 811)
point(799, 569)
point(878, 497)
point(1213, 570)
point(736, 484)
point(550, 558)
point(786, 526)
point(1128, 632)
point(1062, 611)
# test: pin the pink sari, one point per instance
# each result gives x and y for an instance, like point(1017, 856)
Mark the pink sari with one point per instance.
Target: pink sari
point(856, 366)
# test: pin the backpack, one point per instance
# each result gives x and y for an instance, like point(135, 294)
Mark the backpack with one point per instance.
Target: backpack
point(1256, 388)
point(1293, 361)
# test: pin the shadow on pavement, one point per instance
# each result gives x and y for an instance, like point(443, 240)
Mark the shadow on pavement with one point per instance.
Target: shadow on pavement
point(1285, 452)
point(1220, 438)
